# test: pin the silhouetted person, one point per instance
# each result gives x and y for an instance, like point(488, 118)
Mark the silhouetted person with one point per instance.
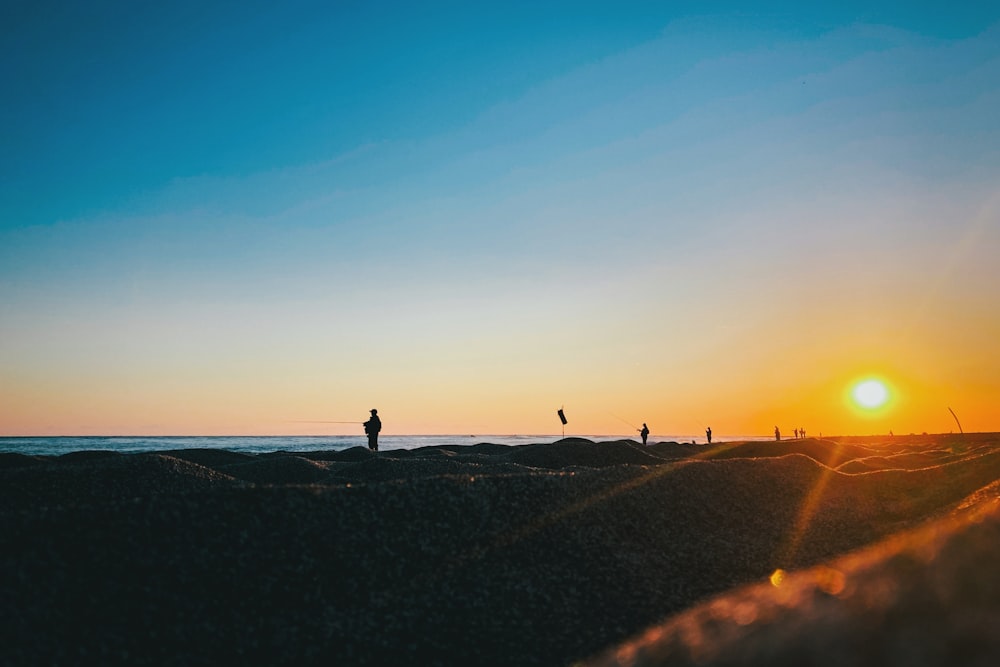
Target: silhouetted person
point(372, 427)
point(708, 434)
point(644, 432)
point(777, 433)
point(802, 433)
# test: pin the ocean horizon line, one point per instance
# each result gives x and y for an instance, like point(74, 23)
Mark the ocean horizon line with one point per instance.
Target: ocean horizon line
point(384, 436)
point(258, 444)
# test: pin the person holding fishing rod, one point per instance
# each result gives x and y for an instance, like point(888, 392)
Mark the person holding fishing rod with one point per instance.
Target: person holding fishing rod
point(372, 427)
point(644, 431)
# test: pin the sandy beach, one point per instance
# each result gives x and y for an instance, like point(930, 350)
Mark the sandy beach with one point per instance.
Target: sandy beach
point(846, 551)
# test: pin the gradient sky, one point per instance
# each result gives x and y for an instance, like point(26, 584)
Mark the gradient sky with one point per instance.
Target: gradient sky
point(224, 218)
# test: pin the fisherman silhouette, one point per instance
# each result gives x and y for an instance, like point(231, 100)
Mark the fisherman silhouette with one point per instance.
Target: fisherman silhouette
point(708, 434)
point(644, 432)
point(796, 432)
point(372, 427)
point(777, 433)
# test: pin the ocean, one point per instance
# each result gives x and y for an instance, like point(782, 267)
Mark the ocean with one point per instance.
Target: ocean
point(55, 446)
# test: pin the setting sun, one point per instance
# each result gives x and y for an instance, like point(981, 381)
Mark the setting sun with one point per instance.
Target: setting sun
point(870, 394)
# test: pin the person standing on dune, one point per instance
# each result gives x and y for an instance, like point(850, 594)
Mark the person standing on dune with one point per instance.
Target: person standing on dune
point(372, 427)
point(708, 434)
point(644, 432)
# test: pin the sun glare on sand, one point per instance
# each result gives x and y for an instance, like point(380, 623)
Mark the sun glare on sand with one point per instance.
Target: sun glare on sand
point(870, 394)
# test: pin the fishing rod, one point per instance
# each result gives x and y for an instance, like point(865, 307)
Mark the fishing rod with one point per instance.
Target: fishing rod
point(624, 421)
point(956, 421)
point(306, 421)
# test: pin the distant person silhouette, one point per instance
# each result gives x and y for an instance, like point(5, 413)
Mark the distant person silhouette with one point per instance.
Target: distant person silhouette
point(372, 427)
point(644, 432)
point(777, 433)
point(708, 434)
point(802, 433)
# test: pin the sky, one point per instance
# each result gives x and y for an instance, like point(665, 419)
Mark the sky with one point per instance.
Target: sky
point(241, 217)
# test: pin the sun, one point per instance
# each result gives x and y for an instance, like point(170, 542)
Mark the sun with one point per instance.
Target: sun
point(870, 394)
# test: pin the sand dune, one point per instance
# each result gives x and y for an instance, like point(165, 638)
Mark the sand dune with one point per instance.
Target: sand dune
point(536, 554)
point(925, 597)
point(69, 480)
point(279, 470)
point(903, 461)
point(828, 452)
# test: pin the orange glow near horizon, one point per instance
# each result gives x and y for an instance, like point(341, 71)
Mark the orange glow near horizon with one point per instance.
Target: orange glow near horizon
point(423, 387)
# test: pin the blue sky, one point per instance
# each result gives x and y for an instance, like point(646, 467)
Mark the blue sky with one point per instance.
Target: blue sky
point(108, 100)
point(458, 192)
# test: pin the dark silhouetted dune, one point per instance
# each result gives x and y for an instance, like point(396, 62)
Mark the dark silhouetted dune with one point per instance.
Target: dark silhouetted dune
point(541, 554)
point(95, 480)
point(352, 454)
point(681, 450)
point(577, 451)
point(926, 597)
point(212, 458)
point(279, 470)
point(904, 461)
point(16, 460)
point(90, 455)
point(385, 468)
point(828, 452)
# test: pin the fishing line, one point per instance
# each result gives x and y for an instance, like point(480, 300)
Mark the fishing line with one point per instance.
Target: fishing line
point(624, 421)
point(304, 421)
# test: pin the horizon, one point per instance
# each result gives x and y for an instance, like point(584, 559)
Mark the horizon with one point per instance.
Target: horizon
point(220, 219)
point(716, 438)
